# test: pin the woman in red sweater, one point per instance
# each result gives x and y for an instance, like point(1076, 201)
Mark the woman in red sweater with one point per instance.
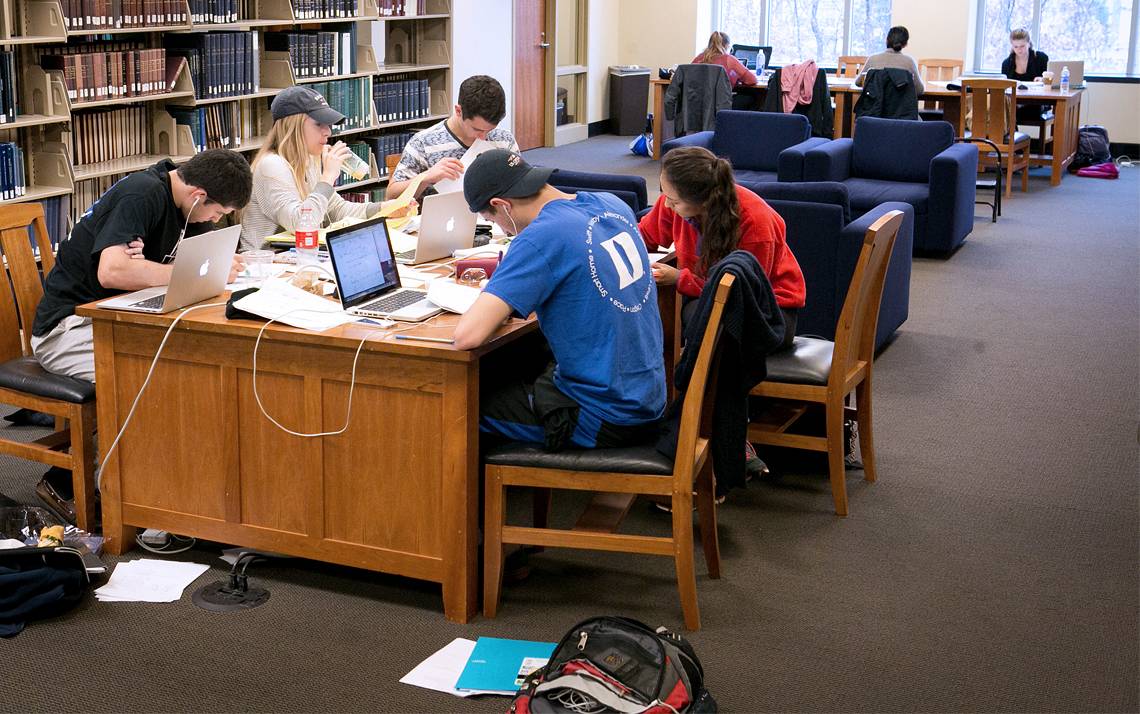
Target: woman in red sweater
point(704, 216)
point(719, 52)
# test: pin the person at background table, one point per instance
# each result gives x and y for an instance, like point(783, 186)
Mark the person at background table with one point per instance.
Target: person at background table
point(704, 215)
point(893, 57)
point(1025, 64)
point(437, 150)
point(297, 168)
point(719, 52)
point(125, 241)
point(577, 263)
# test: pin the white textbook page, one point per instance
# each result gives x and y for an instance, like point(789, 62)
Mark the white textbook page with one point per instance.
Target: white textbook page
point(451, 185)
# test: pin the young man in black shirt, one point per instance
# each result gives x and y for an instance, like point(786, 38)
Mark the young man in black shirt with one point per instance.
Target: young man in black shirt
point(125, 241)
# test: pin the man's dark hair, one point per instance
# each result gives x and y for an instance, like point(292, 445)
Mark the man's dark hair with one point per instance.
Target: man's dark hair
point(482, 96)
point(223, 174)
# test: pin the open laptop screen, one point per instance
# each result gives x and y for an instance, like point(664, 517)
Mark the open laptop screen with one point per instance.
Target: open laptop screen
point(363, 261)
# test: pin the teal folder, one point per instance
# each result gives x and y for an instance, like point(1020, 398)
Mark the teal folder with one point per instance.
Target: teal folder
point(498, 665)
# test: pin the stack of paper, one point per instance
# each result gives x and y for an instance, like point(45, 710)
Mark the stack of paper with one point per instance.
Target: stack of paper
point(491, 666)
point(149, 580)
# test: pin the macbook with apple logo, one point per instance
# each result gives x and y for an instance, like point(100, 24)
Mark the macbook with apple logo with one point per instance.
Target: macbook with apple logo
point(201, 266)
point(446, 225)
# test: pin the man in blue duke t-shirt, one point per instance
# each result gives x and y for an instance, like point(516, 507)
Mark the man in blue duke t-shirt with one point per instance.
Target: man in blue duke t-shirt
point(578, 262)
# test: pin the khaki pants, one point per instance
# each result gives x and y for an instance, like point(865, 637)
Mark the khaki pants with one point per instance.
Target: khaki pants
point(69, 349)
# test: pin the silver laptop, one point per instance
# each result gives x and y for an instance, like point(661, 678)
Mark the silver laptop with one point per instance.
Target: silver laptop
point(200, 269)
point(366, 277)
point(1076, 72)
point(446, 225)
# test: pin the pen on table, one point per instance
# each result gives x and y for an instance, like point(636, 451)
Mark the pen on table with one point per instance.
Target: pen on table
point(446, 340)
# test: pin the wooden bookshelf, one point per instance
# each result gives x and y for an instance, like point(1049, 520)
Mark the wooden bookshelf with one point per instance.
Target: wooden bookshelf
point(47, 122)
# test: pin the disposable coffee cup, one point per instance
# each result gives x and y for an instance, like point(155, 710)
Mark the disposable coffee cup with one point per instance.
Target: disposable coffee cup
point(355, 167)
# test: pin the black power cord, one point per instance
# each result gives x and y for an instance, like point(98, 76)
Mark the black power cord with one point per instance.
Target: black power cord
point(233, 593)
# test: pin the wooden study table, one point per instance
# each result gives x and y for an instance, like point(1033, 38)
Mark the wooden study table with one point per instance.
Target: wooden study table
point(1067, 112)
point(397, 492)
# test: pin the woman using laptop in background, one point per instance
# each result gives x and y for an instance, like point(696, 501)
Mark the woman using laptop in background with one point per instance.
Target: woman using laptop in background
point(1025, 64)
point(719, 52)
point(297, 169)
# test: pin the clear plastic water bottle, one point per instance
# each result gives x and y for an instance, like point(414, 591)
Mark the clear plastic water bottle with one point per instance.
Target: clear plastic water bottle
point(306, 237)
point(1065, 78)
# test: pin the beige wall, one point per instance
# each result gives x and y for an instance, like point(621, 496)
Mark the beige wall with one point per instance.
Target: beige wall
point(605, 41)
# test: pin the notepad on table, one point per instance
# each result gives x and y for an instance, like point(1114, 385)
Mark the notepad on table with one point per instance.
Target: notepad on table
point(499, 665)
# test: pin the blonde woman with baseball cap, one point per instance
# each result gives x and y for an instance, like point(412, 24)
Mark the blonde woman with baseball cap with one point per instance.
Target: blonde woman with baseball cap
point(297, 168)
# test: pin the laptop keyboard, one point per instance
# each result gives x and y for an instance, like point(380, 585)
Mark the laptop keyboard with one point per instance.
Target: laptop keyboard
point(406, 254)
point(391, 303)
point(154, 303)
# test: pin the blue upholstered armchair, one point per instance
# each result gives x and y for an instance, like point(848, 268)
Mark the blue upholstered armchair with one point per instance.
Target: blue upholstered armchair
point(762, 146)
point(826, 244)
point(909, 161)
point(630, 189)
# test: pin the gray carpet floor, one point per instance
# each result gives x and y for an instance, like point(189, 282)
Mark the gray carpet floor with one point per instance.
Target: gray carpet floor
point(993, 566)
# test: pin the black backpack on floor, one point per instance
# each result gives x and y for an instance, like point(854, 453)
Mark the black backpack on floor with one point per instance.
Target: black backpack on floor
point(1092, 147)
point(617, 664)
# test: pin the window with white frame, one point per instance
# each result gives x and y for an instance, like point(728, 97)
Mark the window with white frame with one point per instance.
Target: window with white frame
point(1103, 33)
point(799, 30)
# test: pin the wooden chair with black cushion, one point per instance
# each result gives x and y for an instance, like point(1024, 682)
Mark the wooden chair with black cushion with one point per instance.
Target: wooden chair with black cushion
point(618, 476)
point(817, 373)
point(23, 382)
point(994, 104)
point(936, 70)
point(849, 65)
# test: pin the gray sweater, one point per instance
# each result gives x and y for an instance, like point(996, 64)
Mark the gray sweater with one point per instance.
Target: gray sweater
point(276, 204)
point(888, 59)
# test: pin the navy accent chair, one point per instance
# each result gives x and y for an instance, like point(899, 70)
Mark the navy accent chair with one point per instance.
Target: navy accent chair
point(826, 243)
point(762, 146)
point(908, 161)
point(630, 189)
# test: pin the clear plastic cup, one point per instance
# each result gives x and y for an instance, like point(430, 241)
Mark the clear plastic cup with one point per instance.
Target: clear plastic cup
point(258, 263)
point(356, 167)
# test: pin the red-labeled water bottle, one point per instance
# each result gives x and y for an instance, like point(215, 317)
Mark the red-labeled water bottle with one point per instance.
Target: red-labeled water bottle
point(306, 237)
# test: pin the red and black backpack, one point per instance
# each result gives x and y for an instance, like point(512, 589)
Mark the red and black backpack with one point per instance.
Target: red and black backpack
point(617, 664)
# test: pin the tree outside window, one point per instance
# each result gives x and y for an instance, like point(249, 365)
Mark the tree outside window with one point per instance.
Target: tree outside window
point(799, 30)
point(1095, 31)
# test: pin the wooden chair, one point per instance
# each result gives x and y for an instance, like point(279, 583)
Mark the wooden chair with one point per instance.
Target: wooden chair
point(390, 163)
point(937, 70)
point(23, 383)
point(618, 475)
point(994, 118)
point(816, 372)
point(849, 65)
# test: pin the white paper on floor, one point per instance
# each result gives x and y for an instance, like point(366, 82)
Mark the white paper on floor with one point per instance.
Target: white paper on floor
point(149, 580)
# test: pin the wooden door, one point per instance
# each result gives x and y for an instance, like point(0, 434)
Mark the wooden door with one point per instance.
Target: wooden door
point(531, 46)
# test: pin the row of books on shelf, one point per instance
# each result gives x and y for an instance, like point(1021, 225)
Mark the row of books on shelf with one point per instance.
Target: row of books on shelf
point(57, 215)
point(86, 192)
point(111, 72)
point(222, 64)
point(13, 174)
point(106, 134)
point(324, 9)
point(402, 100)
point(317, 54)
point(212, 126)
point(402, 8)
point(9, 94)
point(376, 195)
point(385, 145)
point(207, 12)
point(102, 15)
point(350, 98)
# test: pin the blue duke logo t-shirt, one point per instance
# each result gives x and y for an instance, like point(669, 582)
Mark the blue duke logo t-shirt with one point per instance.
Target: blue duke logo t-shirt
point(581, 266)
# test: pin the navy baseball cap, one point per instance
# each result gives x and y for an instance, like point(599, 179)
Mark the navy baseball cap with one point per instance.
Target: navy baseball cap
point(302, 100)
point(500, 173)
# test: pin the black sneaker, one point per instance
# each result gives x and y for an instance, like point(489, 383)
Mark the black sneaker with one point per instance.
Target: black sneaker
point(753, 464)
point(850, 444)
